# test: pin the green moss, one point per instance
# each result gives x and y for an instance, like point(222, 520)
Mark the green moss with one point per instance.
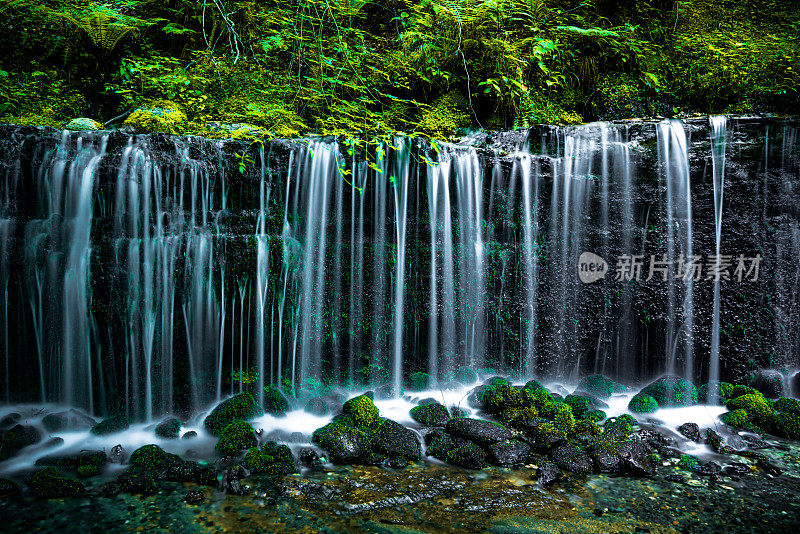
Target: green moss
point(445, 115)
point(758, 408)
point(241, 407)
point(236, 437)
point(643, 404)
point(500, 395)
point(597, 385)
point(672, 391)
point(150, 457)
point(550, 410)
point(580, 404)
point(83, 124)
point(735, 419)
point(468, 456)
point(786, 404)
point(785, 424)
point(112, 425)
point(617, 428)
point(721, 391)
point(688, 462)
point(159, 116)
point(419, 382)
point(275, 403)
point(361, 410)
point(50, 484)
point(740, 390)
point(520, 416)
point(596, 415)
point(86, 471)
point(587, 426)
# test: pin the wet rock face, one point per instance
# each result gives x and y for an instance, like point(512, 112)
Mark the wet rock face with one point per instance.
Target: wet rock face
point(573, 459)
point(690, 430)
point(395, 440)
point(112, 425)
point(510, 453)
point(345, 445)
point(769, 382)
point(549, 474)
point(233, 481)
point(479, 431)
point(18, 437)
point(169, 428)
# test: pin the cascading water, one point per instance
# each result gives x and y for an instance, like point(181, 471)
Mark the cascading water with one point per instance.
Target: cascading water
point(719, 127)
point(147, 274)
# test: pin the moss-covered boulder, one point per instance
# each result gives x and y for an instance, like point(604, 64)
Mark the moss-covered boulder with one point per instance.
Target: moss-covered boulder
point(275, 402)
point(643, 404)
point(787, 405)
point(159, 116)
point(687, 462)
point(499, 395)
point(430, 414)
point(786, 425)
point(151, 457)
point(596, 385)
point(169, 428)
point(83, 458)
point(361, 410)
point(466, 375)
point(596, 415)
point(605, 457)
point(468, 456)
point(236, 437)
point(582, 404)
point(48, 483)
point(618, 428)
point(111, 425)
point(573, 459)
point(138, 480)
point(18, 437)
point(241, 407)
point(345, 444)
point(272, 459)
point(83, 124)
point(419, 382)
point(758, 408)
point(479, 431)
point(396, 441)
point(735, 419)
point(671, 391)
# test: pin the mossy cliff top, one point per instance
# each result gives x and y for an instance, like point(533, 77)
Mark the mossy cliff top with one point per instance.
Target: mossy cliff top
point(240, 68)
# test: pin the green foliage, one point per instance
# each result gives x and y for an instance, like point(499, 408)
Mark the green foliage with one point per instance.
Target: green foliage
point(671, 391)
point(160, 116)
point(688, 462)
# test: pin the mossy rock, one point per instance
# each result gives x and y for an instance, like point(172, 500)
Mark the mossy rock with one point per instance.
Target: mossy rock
point(596, 415)
point(596, 385)
point(150, 457)
point(50, 484)
point(272, 459)
point(430, 414)
point(466, 375)
point(643, 404)
point(111, 425)
point(583, 404)
point(169, 428)
point(719, 391)
point(18, 437)
point(550, 409)
point(241, 407)
point(159, 116)
point(688, 462)
point(138, 480)
point(275, 402)
point(419, 382)
point(345, 444)
point(523, 417)
point(396, 441)
point(468, 456)
point(587, 427)
point(735, 418)
point(618, 428)
point(786, 425)
point(87, 471)
point(787, 405)
point(236, 437)
point(758, 408)
point(83, 124)
point(671, 391)
point(500, 395)
point(361, 410)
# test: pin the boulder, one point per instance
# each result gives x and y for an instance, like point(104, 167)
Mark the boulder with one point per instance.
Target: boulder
point(236, 437)
point(548, 474)
point(317, 406)
point(396, 441)
point(466, 375)
point(344, 444)
point(159, 116)
point(643, 404)
point(241, 407)
point(111, 425)
point(582, 404)
point(510, 453)
point(74, 461)
point(637, 459)
point(769, 382)
point(419, 382)
point(272, 459)
point(606, 458)
point(479, 431)
point(169, 428)
point(48, 483)
point(573, 459)
point(671, 391)
point(233, 481)
point(430, 414)
point(361, 411)
point(311, 459)
point(9, 420)
point(83, 124)
point(468, 456)
point(597, 386)
point(275, 402)
point(19, 436)
point(690, 431)
point(68, 420)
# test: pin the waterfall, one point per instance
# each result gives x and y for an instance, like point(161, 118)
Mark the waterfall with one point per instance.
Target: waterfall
point(156, 274)
point(674, 161)
point(718, 143)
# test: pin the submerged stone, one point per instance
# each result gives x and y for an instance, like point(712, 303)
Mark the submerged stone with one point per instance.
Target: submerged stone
point(69, 420)
point(8, 488)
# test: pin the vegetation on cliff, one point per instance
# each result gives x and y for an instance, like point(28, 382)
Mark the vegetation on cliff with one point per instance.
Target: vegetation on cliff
point(372, 68)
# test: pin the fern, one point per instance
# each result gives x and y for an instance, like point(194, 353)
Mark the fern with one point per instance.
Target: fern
point(104, 27)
